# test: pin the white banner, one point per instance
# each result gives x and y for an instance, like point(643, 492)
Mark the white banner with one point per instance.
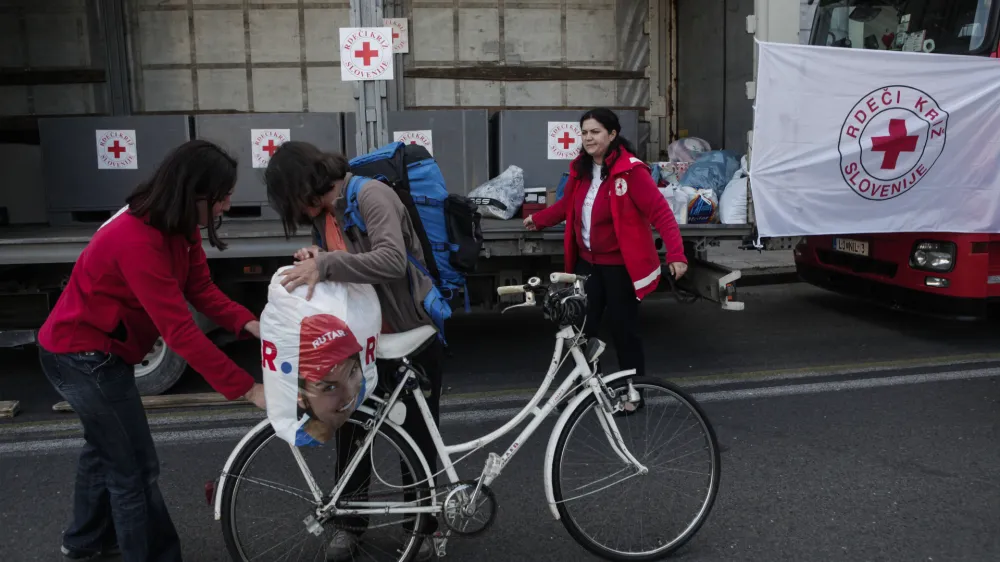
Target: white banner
point(865, 141)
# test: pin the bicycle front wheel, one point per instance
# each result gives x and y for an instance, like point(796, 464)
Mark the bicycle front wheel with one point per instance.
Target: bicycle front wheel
point(266, 499)
point(611, 509)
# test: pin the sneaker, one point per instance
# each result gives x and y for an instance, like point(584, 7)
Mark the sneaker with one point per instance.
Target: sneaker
point(79, 556)
point(343, 546)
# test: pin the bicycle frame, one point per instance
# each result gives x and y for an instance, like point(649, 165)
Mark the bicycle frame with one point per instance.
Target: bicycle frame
point(581, 372)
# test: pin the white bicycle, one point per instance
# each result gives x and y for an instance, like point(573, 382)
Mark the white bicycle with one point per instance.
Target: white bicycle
point(637, 478)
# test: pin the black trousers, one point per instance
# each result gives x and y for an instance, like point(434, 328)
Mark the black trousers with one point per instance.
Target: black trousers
point(610, 292)
point(351, 436)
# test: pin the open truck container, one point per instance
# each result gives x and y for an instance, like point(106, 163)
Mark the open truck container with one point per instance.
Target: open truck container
point(139, 72)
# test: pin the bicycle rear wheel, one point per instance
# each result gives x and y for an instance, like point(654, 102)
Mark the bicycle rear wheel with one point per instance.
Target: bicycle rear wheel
point(604, 512)
point(265, 499)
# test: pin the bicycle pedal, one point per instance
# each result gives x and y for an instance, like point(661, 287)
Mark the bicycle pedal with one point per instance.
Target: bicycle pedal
point(440, 544)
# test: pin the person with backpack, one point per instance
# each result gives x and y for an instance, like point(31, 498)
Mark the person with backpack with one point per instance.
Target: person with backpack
point(609, 203)
point(308, 187)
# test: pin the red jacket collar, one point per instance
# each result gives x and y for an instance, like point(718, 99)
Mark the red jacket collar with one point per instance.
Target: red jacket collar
point(626, 162)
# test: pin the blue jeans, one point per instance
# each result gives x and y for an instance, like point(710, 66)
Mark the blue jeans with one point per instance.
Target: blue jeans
point(117, 498)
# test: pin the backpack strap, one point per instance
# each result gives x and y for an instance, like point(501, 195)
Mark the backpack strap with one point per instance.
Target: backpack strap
point(352, 214)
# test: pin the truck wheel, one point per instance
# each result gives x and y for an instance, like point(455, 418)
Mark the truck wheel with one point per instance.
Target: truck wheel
point(159, 370)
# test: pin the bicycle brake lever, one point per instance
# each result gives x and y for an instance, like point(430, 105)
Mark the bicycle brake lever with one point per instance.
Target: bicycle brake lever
point(529, 301)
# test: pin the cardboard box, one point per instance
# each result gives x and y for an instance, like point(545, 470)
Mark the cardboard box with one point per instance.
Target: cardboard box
point(535, 199)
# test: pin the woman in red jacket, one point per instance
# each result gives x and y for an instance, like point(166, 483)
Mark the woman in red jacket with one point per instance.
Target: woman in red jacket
point(608, 204)
point(132, 283)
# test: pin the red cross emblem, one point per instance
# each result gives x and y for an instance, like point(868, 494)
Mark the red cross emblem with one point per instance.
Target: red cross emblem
point(566, 140)
point(117, 150)
point(897, 142)
point(366, 53)
point(270, 147)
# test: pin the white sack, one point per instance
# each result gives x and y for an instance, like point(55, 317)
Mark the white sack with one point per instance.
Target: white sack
point(301, 339)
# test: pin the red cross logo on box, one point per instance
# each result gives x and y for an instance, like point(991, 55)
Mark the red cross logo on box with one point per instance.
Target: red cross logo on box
point(563, 140)
point(265, 142)
point(116, 150)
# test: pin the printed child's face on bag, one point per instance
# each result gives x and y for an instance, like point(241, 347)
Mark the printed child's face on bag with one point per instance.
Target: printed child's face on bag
point(334, 397)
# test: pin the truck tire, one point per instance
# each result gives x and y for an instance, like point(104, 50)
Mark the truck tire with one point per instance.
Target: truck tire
point(159, 370)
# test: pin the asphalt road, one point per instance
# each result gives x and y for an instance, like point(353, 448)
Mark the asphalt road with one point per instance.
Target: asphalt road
point(885, 465)
point(783, 327)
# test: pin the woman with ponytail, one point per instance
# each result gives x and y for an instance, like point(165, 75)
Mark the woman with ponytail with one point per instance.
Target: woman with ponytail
point(609, 203)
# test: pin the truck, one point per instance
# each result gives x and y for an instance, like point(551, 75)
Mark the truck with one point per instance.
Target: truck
point(164, 71)
point(953, 275)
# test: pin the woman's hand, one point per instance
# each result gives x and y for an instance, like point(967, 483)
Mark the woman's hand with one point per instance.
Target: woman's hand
point(253, 328)
point(307, 253)
point(256, 396)
point(305, 272)
point(678, 269)
point(529, 223)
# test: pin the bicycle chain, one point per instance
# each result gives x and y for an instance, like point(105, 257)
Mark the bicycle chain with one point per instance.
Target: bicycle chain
point(442, 491)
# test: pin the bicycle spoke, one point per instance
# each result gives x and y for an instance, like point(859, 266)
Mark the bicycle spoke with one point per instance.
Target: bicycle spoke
point(630, 519)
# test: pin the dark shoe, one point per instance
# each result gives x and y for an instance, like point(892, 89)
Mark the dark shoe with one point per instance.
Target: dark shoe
point(81, 556)
point(343, 546)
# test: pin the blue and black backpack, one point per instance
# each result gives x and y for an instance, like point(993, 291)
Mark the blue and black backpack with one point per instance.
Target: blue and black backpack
point(448, 225)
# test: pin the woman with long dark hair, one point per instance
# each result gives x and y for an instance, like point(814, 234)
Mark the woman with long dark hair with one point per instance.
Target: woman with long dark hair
point(130, 285)
point(609, 203)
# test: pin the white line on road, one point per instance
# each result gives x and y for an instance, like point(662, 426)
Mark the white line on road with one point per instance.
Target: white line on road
point(480, 415)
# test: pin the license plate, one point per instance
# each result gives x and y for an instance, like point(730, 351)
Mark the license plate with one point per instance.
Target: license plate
point(848, 246)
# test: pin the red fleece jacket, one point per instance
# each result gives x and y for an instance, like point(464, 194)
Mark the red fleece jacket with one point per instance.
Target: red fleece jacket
point(633, 202)
point(133, 280)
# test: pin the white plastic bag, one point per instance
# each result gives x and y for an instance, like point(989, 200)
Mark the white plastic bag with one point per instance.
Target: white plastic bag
point(678, 197)
point(302, 340)
point(734, 199)
point(687, 149)
point(502, 196)
point(733, 203)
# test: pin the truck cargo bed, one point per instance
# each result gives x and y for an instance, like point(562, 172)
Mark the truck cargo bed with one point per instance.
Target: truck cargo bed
point(35, 244)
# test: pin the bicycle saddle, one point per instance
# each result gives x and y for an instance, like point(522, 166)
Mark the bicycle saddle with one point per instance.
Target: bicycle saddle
point(398, 346)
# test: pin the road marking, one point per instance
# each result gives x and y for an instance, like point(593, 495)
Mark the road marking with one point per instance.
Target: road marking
point(216, 401)
point(483, 415)
point(240, 411)
point(468, 399)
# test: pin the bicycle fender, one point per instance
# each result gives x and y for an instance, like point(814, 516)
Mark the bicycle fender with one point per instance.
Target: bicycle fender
point(550, 450)
point(265, 422)
point(229, 464)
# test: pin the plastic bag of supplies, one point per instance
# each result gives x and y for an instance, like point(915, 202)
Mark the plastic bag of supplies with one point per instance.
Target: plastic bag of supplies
point(317, 356)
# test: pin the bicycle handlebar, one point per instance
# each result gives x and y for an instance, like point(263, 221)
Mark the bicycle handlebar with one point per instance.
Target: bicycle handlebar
point(536, 283)
point(510, 290)
point(562, 278)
